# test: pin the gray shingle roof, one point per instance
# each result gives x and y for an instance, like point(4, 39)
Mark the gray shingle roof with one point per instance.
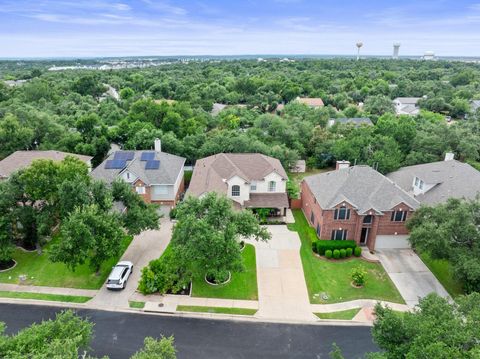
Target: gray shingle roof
point(361, 186)
point(210, 172)
point(167, 173)
point(22, 159)
point(451, 178)
point(354, 120)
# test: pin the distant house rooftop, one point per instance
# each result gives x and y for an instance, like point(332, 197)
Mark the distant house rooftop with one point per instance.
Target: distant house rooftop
point(439, 181)
point(311, 101)
point(475, 105)
point(22, 159)
point(217, 108)
point(406, 105)
point(357, 121)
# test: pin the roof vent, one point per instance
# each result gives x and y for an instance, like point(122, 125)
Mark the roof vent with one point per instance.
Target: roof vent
point(342, 164)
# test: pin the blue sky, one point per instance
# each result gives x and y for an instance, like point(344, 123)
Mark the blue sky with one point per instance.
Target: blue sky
point(46, 28)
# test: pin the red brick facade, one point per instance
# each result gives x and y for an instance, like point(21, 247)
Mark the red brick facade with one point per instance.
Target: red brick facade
point(147, 197)
point(324, 222)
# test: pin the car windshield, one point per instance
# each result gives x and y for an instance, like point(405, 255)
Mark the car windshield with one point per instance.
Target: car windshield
point(113, 281)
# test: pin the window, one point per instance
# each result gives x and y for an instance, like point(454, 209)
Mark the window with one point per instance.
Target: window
point(368, 219)
point(342, 213)
point(235, 191)
point(421, 184)
point(339, 234)
point(128, 175)
point(417, 181)
point(272, 186)
point(253, 186)
point(318, 230)
point(312, 218)
point(399, 216)
point(140, 189)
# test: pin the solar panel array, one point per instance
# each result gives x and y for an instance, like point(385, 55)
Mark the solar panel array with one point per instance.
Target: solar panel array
point(152, 165)
point(147, 156)
point(124, 155)
point(115, 164)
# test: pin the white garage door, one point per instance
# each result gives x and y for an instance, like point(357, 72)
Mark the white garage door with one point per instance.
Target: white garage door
point(399, 241)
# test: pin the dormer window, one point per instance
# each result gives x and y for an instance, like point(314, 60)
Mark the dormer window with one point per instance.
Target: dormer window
point(419, 183)
point(235, 191)
point(398, 216)
point(272, 185)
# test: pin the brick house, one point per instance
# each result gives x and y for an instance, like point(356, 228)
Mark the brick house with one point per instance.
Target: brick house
point(155, 175)
point(358, 203)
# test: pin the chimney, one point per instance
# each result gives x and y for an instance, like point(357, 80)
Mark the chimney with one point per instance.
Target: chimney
point(449, 156)
point(342, 164)
point(158, 145)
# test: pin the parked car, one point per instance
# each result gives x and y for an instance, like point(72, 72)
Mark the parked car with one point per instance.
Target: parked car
point(119, 275)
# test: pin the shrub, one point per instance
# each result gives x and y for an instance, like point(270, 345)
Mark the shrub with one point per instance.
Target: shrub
point(357, 251)
point(314, 246)
point(336, 253)
point(323, 245)
point(349, 252)
point(358, 276)
point(328, 253)
point(173, 213)
point(343, 253)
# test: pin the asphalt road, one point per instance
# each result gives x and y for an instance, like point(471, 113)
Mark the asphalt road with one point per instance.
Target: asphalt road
point(119, 335)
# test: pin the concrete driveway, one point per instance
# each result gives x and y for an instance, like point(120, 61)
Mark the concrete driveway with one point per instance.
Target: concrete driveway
point(410, 275)
point(146, 246)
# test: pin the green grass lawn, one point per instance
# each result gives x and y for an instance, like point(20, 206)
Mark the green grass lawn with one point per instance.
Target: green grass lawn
point(41, 271)
point(243, 285)
point(442, 270)
point(343, 314)
point(136, 305)
point(43, 296)
point(217, 310)
point(333, 278)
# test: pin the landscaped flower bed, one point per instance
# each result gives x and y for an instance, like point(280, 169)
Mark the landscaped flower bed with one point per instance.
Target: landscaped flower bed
point(336, 249)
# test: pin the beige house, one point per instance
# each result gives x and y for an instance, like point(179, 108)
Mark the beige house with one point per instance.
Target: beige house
point(250, 180)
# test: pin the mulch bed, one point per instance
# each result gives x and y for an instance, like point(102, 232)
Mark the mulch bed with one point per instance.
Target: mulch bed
point(7, 265)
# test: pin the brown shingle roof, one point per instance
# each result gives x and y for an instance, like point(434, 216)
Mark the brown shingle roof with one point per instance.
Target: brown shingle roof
point(21, 159)
point(210, 173)
point(267, 200)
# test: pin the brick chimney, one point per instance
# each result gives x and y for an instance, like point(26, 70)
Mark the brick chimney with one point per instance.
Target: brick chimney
point(342, 164)
point(158, 145)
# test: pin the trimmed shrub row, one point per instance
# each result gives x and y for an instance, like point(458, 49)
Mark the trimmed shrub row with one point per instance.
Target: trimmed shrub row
point(343, 253)
point(321, 246)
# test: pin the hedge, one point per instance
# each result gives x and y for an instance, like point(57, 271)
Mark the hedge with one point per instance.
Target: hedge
point(336, 253)
point(328, 253)
point(343, 253)
point(323, 245)
point(349, 252)
point(357, 252)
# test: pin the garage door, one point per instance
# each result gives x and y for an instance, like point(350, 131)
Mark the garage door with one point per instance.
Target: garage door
point(399, 241)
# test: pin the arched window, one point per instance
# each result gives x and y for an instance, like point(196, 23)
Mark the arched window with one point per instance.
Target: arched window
point(271, 186)
point(235, 191)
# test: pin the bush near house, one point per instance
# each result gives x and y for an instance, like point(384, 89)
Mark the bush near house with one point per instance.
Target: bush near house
point(323, 245)
point(357, 251)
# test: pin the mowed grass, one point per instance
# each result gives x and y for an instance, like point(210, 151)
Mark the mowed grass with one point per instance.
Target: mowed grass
point(136, 305)
point(442, 269)
point(333, 278)
point(216, 310)
point(343, 314)
point(41, 271)
point(44, 296)
point(243, 285)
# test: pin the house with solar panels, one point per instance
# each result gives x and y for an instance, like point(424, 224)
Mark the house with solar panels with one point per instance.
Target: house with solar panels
point(155, 175)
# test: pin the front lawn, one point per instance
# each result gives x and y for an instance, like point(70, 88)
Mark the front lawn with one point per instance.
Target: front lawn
point(242, 285)
point(217, 310)
point(136, 305)
point(343, 314)
point(39, 270)
point(44, 296)
point(332, 278)
point(442, 270)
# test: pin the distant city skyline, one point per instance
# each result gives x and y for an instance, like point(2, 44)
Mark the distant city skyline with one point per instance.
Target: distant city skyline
point(97, 28)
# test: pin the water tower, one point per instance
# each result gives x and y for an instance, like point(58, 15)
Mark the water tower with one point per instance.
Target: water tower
point(359, 45)
point(396, 49)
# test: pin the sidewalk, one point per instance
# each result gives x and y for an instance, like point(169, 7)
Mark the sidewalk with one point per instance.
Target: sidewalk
point(47, 290)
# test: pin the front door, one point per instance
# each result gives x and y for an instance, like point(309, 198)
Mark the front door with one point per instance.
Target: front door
point(364, 236)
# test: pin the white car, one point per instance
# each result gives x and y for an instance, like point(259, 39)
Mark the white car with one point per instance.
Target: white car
point(119, 275)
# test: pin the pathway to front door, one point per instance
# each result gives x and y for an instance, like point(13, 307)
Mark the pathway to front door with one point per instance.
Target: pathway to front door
point(282, 290)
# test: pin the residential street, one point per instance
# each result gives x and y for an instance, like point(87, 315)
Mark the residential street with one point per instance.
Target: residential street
point(121, 334)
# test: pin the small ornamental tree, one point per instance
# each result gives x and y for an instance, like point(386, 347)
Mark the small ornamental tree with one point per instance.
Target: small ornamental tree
point(359, 276)
point(207, 233)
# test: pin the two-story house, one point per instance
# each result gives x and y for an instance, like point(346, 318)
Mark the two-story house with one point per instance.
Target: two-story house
point(436, 182)
point(358, 203)
point(406, 105)
point(155, 175)
point(250, 180)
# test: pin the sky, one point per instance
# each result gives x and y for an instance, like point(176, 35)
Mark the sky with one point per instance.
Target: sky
point(96, 28)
